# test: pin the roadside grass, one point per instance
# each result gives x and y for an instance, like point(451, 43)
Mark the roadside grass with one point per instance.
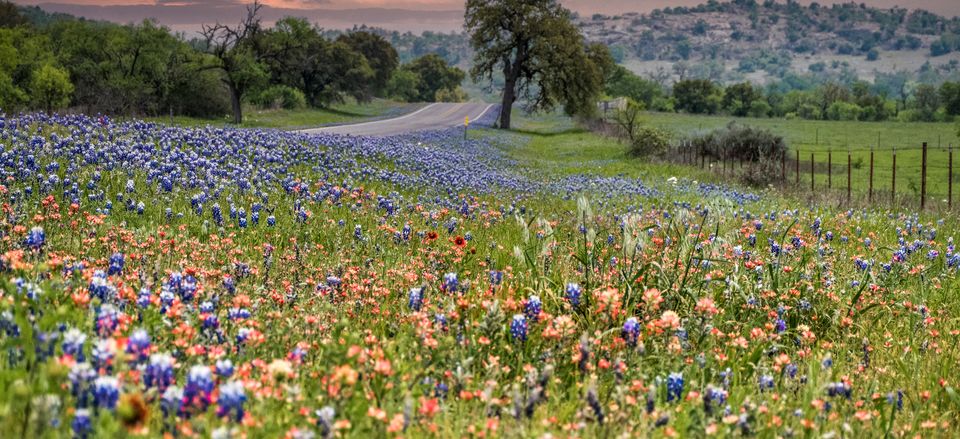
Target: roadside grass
point(554, 144)
point(305, 118)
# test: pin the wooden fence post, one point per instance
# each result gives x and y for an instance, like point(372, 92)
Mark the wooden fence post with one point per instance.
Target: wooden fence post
point(950, 178)
point(849, 172)
point(783, 167)
point(798, 167)
point(829, 169)
point(811, 171)
point(923, 178)
point(893, 183)
point(871, 175)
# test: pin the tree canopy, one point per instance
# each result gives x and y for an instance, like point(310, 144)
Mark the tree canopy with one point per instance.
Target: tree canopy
point(541, 54)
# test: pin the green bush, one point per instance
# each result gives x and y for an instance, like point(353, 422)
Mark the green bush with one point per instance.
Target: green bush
point(844, 111)
point(281, 96)
point(740, 142)
point(451, 95)
point(648, 141)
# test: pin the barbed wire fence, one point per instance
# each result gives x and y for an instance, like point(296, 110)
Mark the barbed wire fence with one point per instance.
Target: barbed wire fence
point(922, 175)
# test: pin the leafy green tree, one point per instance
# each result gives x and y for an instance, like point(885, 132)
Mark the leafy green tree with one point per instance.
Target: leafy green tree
point(950, 97)
point(51, 88)
point(697, 96)
point(926, 101)
point(538, 50)
point(298, 56)
point(232, 50)
point(10, 15)
point(625, 83)
point(380, 55)
point(738, 98)
point(434, 75)
point(404, 86)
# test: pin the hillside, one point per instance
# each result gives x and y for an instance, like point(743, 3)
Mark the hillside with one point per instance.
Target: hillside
point(743, 39)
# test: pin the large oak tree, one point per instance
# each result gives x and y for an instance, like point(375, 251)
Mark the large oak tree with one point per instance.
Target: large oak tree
point(541, 54)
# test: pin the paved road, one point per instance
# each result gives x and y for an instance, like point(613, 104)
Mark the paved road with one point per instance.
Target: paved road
point(431, 117)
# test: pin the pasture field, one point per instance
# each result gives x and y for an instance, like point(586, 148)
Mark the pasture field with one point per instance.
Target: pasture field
point(819, 137)
point(219, 282)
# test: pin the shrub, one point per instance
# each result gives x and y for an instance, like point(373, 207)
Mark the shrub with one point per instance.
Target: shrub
point(649, 141)
point(643, 141)
point(281, 96)
point(844, 111)
point(740, 142)
point(451, 95)
point(765, 171)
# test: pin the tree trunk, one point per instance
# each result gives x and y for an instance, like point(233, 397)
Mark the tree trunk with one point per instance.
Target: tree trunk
point(235, 102)
point(509, 96)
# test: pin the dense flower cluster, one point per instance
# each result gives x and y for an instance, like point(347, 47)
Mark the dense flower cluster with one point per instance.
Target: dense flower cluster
point(219, 282)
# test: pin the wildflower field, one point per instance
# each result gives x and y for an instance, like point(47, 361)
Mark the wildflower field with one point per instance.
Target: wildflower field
point(215, 282)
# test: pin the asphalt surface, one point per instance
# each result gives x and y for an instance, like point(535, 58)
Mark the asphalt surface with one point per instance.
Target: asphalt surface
point(431, 117)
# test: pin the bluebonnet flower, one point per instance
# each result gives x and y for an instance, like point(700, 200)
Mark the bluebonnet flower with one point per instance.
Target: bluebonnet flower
point(139, 345)
point(44, 344)
point(358, 232)
point(826, 363)
point(532, 308)
point(197, 392)
point(81, 378)
point(224, 368)
point(518, 328)
point(896, 400)
point(232, 397)
point(171, 402)
point(765, 382)
point(714, 397)
point(242, 335)
point(238, 313)
point(674, 386)
point(217, 214)
point(159, 371)
point(441, 321)
point(416, 299)
point(496, 277)
point(839, 388)
point(230, 284)
point(116, 264)
point(450, 282)
point(791, 370)
point(595, 405)
point(573, 294)
point(73, 342)
point(108, 318)
point(101, 288)
point(103, 353)
point(106, 392)
point(143, 297)
point(271, 221)
point(36, 238)
point(325, 417)
point(631, 331)
point(780, 325)
point(81, 424)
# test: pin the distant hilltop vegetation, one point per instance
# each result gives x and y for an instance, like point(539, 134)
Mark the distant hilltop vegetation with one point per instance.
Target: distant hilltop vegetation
point(759, 41)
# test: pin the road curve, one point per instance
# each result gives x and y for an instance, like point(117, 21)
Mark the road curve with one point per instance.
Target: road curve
point(432, 117)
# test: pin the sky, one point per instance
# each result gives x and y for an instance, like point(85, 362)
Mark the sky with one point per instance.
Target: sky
point(403, 15)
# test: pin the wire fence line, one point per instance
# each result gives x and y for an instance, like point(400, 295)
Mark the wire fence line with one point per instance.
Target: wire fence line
point(924, 175)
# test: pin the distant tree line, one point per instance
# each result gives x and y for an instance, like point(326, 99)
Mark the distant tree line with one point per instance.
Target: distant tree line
point(54, 61)
point(889, 97)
